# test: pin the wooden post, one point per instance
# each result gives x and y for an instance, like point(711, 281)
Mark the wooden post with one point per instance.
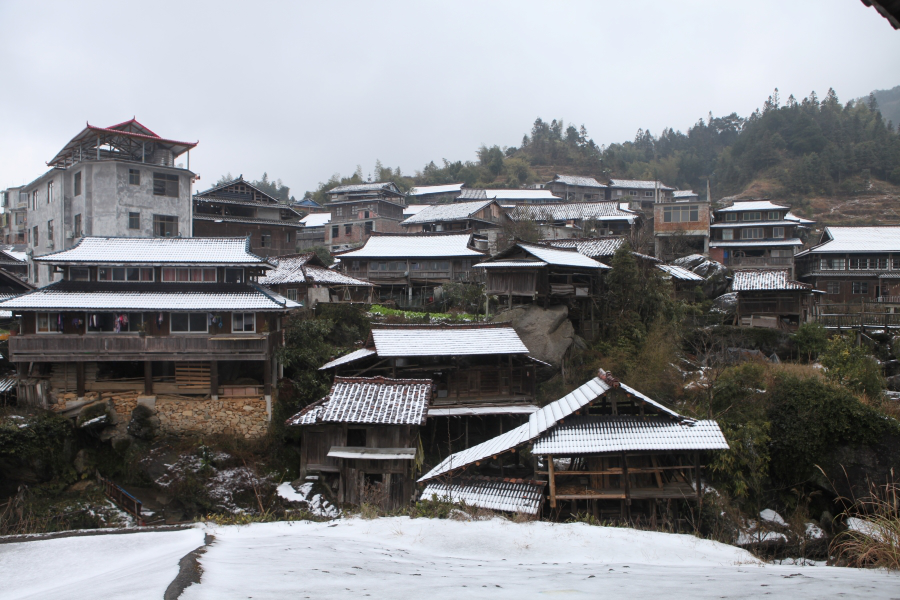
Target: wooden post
point(148, 378)
point(552, 476)
point(625, 478)
point(697, 476)
point(267, 375)
point(214, 379)
point(79, 379)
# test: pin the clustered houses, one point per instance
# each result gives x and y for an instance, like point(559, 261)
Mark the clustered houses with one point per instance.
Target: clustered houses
point(304, 278)
point(434, 194)
point(239, 209)
point(176, 324)
point(459, 216)
point(578, 219)
point(359, 210)
point(680, 228)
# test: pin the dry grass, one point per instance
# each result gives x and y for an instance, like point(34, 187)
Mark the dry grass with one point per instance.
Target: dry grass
point(875, 542)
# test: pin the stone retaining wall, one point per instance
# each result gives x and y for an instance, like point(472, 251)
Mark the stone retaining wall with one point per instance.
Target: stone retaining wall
point(243, 416)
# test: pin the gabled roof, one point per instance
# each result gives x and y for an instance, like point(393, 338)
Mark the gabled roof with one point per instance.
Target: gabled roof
point(387, 186)
point(348, 358)
point(509, 195)
point(306, 203)
point(751, 280)
point(305, 268)
point(592, 247)
point(606, 211)
point(372, 401)
point(569, 257)
point(508, 495)
point(683, 194)
point(424, 190)
point(157, 251)
point(577, 180)
point(446, 340)
point(457, 211)
point(316, 219)
point(858, 239)
point(680, 273)
point(127, 137)
point(416, 246)
point(223, 188)
point(639, 184)
point(789, 216)
point(760, 205)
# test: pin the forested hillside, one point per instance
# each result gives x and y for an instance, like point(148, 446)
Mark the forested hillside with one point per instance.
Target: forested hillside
point(889, 105)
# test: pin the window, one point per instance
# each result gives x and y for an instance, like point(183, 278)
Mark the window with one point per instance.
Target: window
point(34, 235)
point(134, 177)
point(778, 233)
point(114, 322)
point(50, 231)
point(348, 229)
point(34, 200)
point(189, 323)
point(165, 226)
point(244, 322)
point(49, 192)
point(165, 185)
point(752, 216)
point(78, 231)
point(648, 194)
point(78, 183)
point(369, 226)
point(681, 214)
point(124, 274)
point(728, 234)
point(752, 233)
point(287, 238)
point(774, 215)
point(79, 274)
point(188, 275)
point(265, 238)
point(860, 287)
point(731, 216)
point(335, 231)
point(632, 192)
point(134, 220)
point(833, 287)
point(291, 294)
point(365, 214)
point(895, 263)
point(49, 323)
point(354, 265)
point(20, 218)
point(356, 438)
point(868, 263)
point(233, 275)
point(833, 264)
point(339, 211)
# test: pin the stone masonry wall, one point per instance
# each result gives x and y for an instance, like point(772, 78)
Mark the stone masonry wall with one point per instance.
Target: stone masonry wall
point(242, 416)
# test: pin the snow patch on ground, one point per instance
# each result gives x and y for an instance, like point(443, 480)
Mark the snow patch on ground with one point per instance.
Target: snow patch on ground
point(772, 517)
point(316, 504)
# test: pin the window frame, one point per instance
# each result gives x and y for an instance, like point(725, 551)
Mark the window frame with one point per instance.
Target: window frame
point(243, 275)
point(166, 184)
point(132, 216)
point(753, 233)
point(136, 330)
point(186, 274)
point(265, 238)
point(73, 270)
point(50, 330)
point(778, 233)
point(243, 316)
point(188, 331)
point(50, 192)
point(752, 215)
point(728, 235)
point(77, 226)
point(160, 220)
point(335, 231)
point(76, 183)
point(134, 177)
point(773, 215)
point(859, 288)
point(831, 286)
point(731, 217)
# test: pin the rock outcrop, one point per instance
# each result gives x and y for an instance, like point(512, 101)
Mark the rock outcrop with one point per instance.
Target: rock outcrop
point(547, 333)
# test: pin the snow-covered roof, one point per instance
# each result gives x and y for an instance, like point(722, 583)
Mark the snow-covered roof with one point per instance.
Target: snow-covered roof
point(457, 211)
point(508, 495)
point(551, 256)
point(751, 280)
point(760, 205)
point(639, 184)
point(316, 219)
point(364, 187)
point(680, 273)
point(683, 194)
point(739, 224)
point(743, 243)
point(509, 195)
point(859, 239)
point(247, 220)
point(126, 296)
point(370, 400)
point(592, 247)
point(789, 216)
point(423, 190)
point(157, 251)
point(414, 209)
point(415, 246)
point(296, 268)
point(605, 211)
point(577, 180)
point(595, 434)
point(513, 263)
point(446, 340)
point(348, 358)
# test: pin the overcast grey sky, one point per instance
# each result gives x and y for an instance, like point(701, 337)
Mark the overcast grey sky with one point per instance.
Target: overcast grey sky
point(304, 90)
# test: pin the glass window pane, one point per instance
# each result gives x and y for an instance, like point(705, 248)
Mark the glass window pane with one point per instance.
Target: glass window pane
point(168, 274)
point(118, 274)
point(198, 322)
point(209, 274)
point(132, 274)
point(196, 274)
point(146, 274)
point(179, 321)
point(183, 274)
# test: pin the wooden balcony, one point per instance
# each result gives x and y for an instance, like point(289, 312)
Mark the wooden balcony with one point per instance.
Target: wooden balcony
point(130, 347)
point(760, 261)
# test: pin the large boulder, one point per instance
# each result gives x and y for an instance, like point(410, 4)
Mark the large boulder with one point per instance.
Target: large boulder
point(726, 303)
point(714, 272)
point(547, 333)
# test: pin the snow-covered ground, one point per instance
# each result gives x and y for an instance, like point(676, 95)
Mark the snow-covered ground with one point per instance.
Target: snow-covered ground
point(419, 559)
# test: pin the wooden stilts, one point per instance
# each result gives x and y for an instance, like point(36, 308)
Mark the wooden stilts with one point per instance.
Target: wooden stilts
point(552, 476)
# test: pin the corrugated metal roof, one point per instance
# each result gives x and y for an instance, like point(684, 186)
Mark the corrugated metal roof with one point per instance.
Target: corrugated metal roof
point(423, 190)
point(595, 434)
point(680, 273)
point(374, 401)
point(446, 340)
point(456, 211)
point(578, 180)
point(316, 219)
point(295, 269)
point(766, 243)
point(859, 239)
point(348, 358)
point(415, 246)
point(560, 257)
point(508, 495)
point(592, 247)
point(752, 205)
point(639, 184)
point(100, 296)
point(748, 280)
point(605, 211)
point(157, 251)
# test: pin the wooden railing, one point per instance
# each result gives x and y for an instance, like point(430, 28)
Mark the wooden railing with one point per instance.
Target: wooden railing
point(125, 347)
point(759, 261)
point(123, 499)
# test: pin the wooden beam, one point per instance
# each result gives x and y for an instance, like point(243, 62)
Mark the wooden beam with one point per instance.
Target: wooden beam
point(552, 478)
point(79, 379)
point(148, 378)
point(626, 483)
point(267, 376)
point(213, 378)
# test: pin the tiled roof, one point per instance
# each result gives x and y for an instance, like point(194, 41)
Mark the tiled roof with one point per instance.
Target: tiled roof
point(685, 194)
point(295, 269)
point(508, 495)
point(766, 243)
point(562, 258)
point(639, 184)
point(374, 401)
point(415, 246)
point(859, 239)
point(157, 251)
point(680, 273)
point(316, 219)
point(592, 247)
point(422, 190)
point(596, 434)
point(456, 211)
point(414, 209)
point(363, 187)
point(606, 211)
point(761, 222)
point(446, 340)
point(759, 205)
point(749, 280)
point(306, 203)
point(248, 220)
point(527, 195)
point(578, 180)
point(512, 263)
point(111, 296)
point(789, 216)
point(348, 358)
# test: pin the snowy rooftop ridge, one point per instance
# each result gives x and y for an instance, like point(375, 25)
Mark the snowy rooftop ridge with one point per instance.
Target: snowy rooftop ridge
point(858, 239)
point(157, 251)
point(415, 246)
point(370, 400)
point(457, 211)
point(578, 180)
point(751, 280)
point(424, 190)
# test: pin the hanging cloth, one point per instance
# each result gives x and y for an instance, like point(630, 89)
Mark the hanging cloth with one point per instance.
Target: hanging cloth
point(159, 320)
point(59, 322)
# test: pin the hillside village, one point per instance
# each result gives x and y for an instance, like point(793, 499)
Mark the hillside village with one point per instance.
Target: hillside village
point(587, 347)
